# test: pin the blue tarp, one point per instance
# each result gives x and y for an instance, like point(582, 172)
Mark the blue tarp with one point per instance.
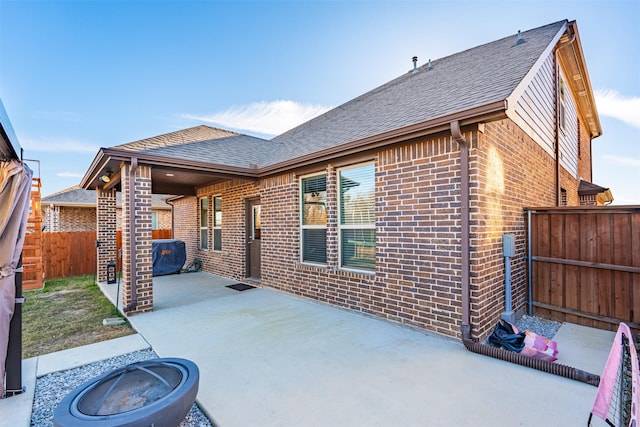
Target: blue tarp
point(168, 255)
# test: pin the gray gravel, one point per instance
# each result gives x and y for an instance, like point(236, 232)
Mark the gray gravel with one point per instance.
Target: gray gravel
point(546, 328)
point(51, 389)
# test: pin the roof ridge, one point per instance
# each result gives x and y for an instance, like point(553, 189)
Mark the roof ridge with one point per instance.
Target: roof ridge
point(181, 136)
point(63, 191)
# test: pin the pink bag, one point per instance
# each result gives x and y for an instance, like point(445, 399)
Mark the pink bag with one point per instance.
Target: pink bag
point(539, 347)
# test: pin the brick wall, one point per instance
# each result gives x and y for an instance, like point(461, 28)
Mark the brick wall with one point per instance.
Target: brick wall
point(230, 261)
point(509, 172)
point(142, 239)
point(65, 218)
point(417, 280)
point(106, 234)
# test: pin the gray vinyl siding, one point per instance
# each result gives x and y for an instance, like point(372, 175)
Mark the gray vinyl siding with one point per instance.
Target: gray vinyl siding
point(569, 136)
point(535, 113)
point(535, 110)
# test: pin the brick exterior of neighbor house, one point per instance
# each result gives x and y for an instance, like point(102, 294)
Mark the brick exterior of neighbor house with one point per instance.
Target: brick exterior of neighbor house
point(401, 254)
point(74, 209)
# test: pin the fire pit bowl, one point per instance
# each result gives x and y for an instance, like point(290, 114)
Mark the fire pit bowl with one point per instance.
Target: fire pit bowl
point(156, 392)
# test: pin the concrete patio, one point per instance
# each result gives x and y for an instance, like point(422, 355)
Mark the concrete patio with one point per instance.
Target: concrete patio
point(272, 359)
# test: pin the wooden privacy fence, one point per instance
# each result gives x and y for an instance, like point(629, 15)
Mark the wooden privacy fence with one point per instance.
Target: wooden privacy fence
point(585, 265)
point(69, 254)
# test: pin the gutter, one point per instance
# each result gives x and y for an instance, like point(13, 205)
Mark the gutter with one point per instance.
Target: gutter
point(464, 224)
point(132, 236)
point(572, 37)
point(465, 327)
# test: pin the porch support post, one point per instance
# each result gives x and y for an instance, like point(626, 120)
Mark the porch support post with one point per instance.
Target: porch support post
point(105, 231)
point(137, 289)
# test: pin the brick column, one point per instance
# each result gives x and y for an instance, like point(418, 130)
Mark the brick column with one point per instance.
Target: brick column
point(140, 224)
point(105, 230)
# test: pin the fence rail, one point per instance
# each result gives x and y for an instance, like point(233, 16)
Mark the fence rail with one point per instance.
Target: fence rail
point(585, 265)
point(69, 254)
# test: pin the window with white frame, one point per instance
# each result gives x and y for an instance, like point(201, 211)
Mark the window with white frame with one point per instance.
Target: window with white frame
point(217, 223)
point(204, 223)
point(562, 109)
point(357, 217)
point(313, 218)
point(154, 220)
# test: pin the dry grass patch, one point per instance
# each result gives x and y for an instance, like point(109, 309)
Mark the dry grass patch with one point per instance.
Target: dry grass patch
point(67, 313)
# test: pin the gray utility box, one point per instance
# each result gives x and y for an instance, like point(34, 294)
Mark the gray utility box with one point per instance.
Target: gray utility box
point(508, 245)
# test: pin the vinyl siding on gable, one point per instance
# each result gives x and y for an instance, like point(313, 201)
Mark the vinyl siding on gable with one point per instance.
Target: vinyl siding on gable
point(569, 135)
point(535, 110)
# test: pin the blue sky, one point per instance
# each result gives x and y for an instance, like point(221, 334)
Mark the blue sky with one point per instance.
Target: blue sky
point(79, 75)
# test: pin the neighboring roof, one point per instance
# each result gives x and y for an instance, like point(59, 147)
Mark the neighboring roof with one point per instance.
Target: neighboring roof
point(9, 147)
point(78, 197)
point(586, 188)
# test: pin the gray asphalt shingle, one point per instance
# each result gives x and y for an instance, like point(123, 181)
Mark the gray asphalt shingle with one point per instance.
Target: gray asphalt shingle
point(453, 84)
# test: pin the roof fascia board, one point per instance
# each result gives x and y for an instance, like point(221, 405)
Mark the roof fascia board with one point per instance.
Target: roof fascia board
point(491, 111)
point(93, 171)
point(512, 100)
point(192, 165)
point(581, 62)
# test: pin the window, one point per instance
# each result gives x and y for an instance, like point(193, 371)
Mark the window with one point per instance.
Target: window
point(204, 221)
point(562, 121)
point(154, 220)
point(357, 219)
point(217, 223)
point(313, 219)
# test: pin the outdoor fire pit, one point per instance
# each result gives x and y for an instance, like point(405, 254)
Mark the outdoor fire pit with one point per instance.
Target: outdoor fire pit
point(156, 392)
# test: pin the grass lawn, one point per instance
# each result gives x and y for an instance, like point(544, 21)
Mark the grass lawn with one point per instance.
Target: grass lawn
point(67, 313)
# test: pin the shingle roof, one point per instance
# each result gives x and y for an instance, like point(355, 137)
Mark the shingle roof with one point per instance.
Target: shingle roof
point(588, 188)
point(205, 143)
point(473, 78)
point(455, 83)
point(76, 196)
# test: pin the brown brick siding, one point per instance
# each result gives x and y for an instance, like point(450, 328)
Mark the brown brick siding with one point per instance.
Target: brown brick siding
point(510, 171)
point(142, 238)
point(417, 280)
point(106, 234)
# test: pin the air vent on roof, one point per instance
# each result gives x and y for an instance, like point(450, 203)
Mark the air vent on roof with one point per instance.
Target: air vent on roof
point(415, 64)
point(520, 39)
point(429, 65)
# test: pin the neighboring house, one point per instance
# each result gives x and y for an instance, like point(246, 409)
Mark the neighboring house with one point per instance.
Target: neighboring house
point(392, 204)
point(74, 209)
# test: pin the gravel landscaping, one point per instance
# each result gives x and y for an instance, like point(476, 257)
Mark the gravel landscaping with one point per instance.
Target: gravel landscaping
point(52, 388)
point(544, 327)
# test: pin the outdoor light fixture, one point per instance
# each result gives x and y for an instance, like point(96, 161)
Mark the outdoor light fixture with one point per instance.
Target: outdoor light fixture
point(106, 177)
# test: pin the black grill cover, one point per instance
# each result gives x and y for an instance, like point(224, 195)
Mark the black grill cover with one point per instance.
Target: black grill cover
point(169, 255)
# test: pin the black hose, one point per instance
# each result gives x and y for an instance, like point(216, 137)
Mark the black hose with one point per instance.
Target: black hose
point(530, 362)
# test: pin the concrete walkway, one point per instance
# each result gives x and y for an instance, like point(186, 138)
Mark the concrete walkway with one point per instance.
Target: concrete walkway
point(272, 359)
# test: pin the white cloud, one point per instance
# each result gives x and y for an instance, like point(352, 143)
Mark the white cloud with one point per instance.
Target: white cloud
point(623, 161)
point(69, 175)
point(57, 145)
point(611, 103)
point(270, 118)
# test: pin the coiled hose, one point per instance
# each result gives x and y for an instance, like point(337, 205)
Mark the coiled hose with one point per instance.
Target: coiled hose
point(530, 362)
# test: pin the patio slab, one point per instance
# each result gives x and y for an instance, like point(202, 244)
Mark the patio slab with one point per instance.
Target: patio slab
point(272, 359)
